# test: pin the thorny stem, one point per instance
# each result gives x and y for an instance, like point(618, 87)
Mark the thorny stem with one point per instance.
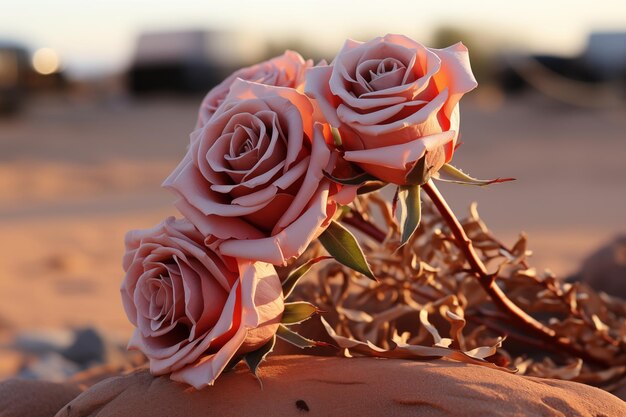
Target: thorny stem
point(355, 220)
point(487, 281)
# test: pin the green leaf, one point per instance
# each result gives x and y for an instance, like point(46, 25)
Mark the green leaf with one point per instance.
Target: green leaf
point(420, 173)
point(295, 339)
point(370, 186)
point(292, 280)
point(254, 359)
point(336, 136)
point(410, 210)
point(342, 245)
point(297, 312)
point(457, 176)
point(358, 179)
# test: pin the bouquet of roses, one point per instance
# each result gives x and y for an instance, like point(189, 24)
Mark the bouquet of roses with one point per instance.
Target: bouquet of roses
point(280, 152)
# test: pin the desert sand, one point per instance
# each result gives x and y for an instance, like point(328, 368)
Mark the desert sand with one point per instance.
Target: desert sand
point(76, 173)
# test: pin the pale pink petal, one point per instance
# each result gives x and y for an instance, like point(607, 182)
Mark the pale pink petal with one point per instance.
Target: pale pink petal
point(193, 188)
point(218, 226)
point(320, 155)
point(317, 80)
point(261, 197)
point(291, 106)
point(351, 117)
point(399, 156)
point(190, 352)
point(204, 372)
point(455, 74)
point(290, 242)
point(426, 112)
point(346, 195)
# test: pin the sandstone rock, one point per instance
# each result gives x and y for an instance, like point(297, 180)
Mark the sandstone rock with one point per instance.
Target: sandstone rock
point(316, 386)
point(28, 398)
point(605, 269)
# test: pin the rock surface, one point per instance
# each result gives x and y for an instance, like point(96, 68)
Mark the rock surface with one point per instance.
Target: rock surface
point(605, 269)
point(28, 398)
point(316, 386)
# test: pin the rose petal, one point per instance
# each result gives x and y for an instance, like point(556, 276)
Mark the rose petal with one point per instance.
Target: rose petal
point(320, 155)
point(207, 369)
point(218, 226)
point(401, 155)
point(192, 187)
point(188, 352)
point(404, 128)
point(288, 243)
point(316, 86)
point(455, 74)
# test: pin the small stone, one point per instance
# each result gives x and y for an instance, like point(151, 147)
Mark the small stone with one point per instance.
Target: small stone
point(88, 348)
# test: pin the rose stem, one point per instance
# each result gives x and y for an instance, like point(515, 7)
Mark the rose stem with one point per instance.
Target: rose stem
point(488, 283)
point(357, 221)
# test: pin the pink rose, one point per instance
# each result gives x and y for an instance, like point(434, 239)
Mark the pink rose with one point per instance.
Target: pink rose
point(194, 310)
point(252, 180)
point(393, 99)
point(286, 70)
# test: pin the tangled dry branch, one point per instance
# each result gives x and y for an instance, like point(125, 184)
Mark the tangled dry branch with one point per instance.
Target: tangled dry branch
point(427, 289)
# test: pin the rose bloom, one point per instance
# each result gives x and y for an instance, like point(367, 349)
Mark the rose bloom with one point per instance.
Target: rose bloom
point(393, 99)
point(286, 70)
point(252, 180)
point(195, 310)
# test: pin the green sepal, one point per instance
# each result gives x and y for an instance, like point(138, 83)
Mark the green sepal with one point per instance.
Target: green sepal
point(294, 277)
point(343, 246)
point(297, 312)
point(254, 359)
point(358, 179)
point(457, 176)
point(420, 173)
point(410, 211)
point(296, 339)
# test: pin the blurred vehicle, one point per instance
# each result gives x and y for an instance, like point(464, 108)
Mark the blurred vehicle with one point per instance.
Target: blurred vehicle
point(14, 69)
point(596, 77)
point(187, 61)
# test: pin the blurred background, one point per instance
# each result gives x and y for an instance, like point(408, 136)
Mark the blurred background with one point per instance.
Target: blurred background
point(97, 100)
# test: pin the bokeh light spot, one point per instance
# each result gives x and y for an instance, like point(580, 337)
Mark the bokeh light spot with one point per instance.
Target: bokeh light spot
point(45, 61)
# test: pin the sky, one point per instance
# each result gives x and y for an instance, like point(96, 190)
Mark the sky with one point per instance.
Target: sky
point(99, 34)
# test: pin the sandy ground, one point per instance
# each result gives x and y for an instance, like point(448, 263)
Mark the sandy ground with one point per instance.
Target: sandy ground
point(74, 176)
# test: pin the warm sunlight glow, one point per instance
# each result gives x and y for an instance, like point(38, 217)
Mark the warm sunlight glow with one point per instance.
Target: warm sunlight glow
point(45, 61)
